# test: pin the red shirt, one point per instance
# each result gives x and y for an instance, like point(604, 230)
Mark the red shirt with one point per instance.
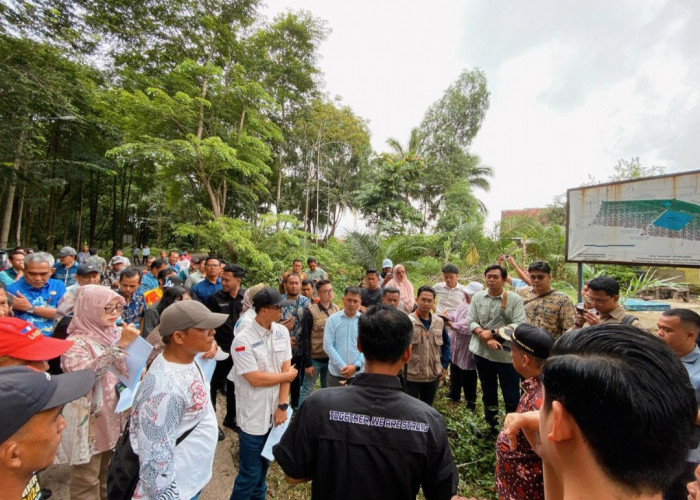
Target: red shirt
point(519, 471)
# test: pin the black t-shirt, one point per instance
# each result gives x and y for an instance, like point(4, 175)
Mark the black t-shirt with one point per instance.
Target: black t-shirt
point(371, 297)
point(222, 302)
point(369, 440)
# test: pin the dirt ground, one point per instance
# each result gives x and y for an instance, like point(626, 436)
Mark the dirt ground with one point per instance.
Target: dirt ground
point(226, 459)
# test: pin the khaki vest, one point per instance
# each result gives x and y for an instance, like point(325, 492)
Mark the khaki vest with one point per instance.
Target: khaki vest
point(318, 327)
point(424, 365)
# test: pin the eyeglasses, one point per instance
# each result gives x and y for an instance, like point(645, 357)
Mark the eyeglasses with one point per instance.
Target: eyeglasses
point(111, 309)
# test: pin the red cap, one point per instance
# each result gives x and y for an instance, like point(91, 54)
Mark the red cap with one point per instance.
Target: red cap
point(21, 340)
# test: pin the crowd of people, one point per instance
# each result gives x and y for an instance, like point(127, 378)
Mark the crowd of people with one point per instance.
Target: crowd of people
point(596, 407)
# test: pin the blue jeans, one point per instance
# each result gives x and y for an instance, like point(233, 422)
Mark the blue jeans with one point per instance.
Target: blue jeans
point(252, 468)
point(490, 374)
point(320, 369)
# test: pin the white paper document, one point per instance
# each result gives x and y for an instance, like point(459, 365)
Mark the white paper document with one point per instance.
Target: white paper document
point(274, 437)
point(136, 356)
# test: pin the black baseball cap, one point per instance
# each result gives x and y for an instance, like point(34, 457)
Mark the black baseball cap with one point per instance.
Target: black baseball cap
point(533, 340)
point(268, 296)
point(85, 269)
point(24, 392)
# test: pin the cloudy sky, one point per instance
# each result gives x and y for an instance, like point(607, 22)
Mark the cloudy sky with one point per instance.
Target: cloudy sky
point(575, 86)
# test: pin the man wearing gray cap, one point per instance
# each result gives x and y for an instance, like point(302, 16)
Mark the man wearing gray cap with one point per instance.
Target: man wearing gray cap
point(262, 370)
point(67, 267)
point(31, 421)
point(173, 401)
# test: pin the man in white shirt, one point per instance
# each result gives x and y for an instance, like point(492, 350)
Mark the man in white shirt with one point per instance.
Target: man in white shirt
point(450, 294)
point(173, 401)
point(262, 370)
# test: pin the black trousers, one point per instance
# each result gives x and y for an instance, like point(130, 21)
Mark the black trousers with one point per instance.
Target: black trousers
point(463, 380)
point(295, 386)
point(425, 391)
point(218, 382)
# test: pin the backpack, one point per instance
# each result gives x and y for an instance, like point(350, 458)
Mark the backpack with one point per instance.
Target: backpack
point(123, 470)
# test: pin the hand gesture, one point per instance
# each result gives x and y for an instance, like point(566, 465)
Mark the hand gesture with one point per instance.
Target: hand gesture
point(494, 344)
point(280, 416)
point(129, 334)
point(291, 373)
point(591, 318)
point(309, 371)
point(348, 371)
point(21, 303)
point(212, 351)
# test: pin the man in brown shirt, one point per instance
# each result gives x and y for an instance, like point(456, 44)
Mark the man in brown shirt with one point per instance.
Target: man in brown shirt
point(545, 307)
point(603, 294)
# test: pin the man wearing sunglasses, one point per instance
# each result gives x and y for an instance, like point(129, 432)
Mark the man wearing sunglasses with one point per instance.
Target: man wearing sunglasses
point(546, 308)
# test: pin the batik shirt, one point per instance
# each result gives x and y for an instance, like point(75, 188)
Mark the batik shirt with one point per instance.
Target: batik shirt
point(296, 310)
point(48, 295)
point(519, 471)
point(553, 312)
point(134, 309)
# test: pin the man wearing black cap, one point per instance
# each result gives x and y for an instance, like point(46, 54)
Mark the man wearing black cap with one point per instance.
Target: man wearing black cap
point(87, 275)
point(173, 399)
point(31, 421)
point(519, 471)
point(228, 300)
point(262, 371)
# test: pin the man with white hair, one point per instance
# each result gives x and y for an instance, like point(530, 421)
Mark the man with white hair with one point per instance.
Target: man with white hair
point(36, 294)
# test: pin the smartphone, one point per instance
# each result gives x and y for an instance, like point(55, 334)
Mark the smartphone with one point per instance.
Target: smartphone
point(444, 317)
point(580, 308)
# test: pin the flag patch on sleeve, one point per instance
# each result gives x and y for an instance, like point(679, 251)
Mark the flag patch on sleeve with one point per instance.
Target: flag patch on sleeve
point(240, 348)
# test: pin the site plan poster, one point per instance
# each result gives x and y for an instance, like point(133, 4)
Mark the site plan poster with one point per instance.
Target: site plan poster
point(652, 221)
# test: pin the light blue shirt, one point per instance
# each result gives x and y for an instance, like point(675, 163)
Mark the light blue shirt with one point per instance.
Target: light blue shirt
point(691, 362)
point(340, 343)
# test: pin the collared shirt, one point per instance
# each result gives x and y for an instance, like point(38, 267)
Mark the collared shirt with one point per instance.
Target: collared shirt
point(193, 279)
point(615, 317)
point(258, 349)
point(205, 289)
point(553, 311)
point(48, 295)
point(66, 274)
point(307, 326)
point(283, 278)
point(340, 342)
point(485, 312)
point(110, 278)
point(82, 256)
point(8, 276)
point(296, 310)
point(691, 362)
point(134, 309)
point(448, 299)
point(317, 275)
point(347, 439)
point(146, 252)
point(519, 471)
point(148, 282)
point(222, 302)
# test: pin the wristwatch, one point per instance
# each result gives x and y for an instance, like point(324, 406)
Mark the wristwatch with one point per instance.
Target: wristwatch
point(283, 407)
point(357, 368)
point(31, 310)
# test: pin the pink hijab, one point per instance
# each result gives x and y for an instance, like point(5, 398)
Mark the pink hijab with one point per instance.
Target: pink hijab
point(87, 314)
point(405, 287)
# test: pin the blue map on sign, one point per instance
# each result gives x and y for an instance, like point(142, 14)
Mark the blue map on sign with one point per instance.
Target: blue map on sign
point(673, 221)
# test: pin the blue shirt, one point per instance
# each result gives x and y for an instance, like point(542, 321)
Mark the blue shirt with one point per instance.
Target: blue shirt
point(691, 362)
point(66, 274)
point(47, 296)
point(340, 343)
point(148, 282)
point(134, 309)
point(8, 276)
point(205, 289)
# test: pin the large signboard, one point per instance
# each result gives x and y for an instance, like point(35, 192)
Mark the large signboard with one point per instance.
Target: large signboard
point(652, 221)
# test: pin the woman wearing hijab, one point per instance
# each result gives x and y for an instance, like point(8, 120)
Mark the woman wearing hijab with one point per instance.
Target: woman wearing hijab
point(400, 281)
point(94, 427)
